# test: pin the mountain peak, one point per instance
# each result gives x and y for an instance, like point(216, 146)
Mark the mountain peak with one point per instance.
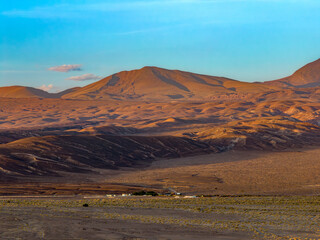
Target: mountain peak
point(150, 67)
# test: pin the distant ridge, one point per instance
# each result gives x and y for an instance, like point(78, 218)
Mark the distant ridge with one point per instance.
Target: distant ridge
point(23, 92)
point(306, 77)
point(30, 92)
point(153, 83)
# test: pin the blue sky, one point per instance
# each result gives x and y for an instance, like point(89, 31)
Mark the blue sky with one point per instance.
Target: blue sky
point(248, 40)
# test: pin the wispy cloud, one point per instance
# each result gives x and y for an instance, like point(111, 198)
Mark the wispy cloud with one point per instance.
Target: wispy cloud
point(77, 10)
point(45, 12)
point(46, 87)
point(66, 68)
point(84, 77)
point(74, 10)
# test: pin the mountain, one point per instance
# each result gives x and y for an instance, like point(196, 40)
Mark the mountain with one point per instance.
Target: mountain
point(23, 92)
point(158, 84)
point(306, 77)
point(153, 83)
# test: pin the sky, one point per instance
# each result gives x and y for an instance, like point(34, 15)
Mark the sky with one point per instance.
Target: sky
point(58, 44)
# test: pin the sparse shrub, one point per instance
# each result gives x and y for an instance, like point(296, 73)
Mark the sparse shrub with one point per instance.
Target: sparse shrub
point(140, 193)
point(144, 193)
point(151, 193)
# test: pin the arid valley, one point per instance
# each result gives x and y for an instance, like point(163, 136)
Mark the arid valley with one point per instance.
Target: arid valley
point(160, 120)
point(196, 135)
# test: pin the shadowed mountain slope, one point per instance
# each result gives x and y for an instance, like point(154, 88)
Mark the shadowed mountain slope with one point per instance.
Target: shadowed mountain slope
point(152, 83)
point(305, 77)
point(48, 154)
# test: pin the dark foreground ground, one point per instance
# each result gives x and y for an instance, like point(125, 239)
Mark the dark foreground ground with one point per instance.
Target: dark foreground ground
point(160, 218)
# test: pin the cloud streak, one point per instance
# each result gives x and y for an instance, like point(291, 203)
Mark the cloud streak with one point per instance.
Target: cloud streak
point(66, 68)
point(84, 77)
point(76, 11)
